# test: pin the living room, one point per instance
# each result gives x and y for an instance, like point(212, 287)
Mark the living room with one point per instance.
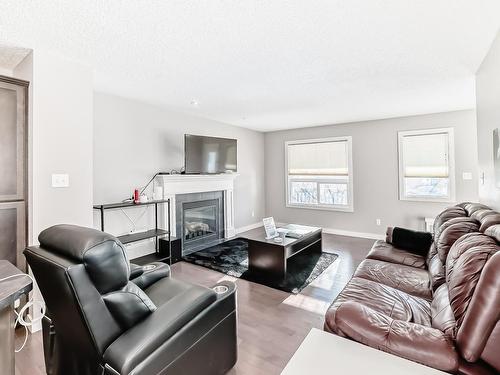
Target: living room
point(249, 187)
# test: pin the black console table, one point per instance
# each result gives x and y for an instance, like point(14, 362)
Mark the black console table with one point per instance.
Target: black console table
point(160, 255)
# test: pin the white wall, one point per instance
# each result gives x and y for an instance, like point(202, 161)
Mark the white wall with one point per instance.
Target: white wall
point(134, 140)
point(60, 139)
point(488, 118)
point(6, 72)
point(375, 160)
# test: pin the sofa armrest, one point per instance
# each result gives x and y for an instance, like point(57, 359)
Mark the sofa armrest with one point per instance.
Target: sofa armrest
point(150, 274)
point(415, 342)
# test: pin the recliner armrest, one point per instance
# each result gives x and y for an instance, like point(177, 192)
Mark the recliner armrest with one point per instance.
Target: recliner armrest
point(150, 274)
point(415, 342)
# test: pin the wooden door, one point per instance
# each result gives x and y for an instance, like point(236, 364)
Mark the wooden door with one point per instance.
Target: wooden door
point(13, 116)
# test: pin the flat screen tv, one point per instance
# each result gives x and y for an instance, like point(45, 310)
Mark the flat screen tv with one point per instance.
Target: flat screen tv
point(209, 155)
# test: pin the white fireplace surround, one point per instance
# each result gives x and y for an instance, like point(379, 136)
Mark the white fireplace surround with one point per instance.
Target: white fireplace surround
point(184, 184)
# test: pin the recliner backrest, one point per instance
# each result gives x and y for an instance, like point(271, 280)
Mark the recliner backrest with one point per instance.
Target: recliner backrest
point(449, 225)
point(94, 271)
point(473, 261)
point(102, 254)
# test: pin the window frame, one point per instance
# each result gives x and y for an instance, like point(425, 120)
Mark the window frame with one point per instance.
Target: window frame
point(450, 198)
point(350, 187)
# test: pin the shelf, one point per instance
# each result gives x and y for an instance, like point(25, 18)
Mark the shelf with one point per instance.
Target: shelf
point(150, 258)
point(133, 237)
point(111, 206)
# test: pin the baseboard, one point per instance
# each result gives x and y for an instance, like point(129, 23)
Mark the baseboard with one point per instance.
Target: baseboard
point(249, 227)
point(340, 232)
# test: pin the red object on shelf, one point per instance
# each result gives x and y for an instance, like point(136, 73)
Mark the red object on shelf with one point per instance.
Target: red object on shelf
point(136, 196)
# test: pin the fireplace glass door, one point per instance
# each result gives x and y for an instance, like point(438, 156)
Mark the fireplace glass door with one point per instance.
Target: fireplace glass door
point(200, 222)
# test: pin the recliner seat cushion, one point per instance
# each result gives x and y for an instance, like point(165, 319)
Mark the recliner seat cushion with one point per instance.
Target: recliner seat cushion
point(177, 304)
point(382, 299)
point(381, 250)
point(411, 280)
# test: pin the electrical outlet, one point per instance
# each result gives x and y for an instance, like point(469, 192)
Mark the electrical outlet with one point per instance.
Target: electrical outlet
point(60, 180)
point(253, 213)
point(378, 221)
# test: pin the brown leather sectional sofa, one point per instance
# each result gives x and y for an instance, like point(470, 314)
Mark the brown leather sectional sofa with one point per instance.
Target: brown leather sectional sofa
point(441, 310)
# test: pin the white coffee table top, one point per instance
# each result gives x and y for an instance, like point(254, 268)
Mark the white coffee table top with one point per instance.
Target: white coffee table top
point(324, 353)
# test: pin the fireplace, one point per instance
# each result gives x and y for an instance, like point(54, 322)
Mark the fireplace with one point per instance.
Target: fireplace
point(199, 220)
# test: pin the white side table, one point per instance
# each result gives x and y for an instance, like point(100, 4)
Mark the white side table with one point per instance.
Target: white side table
point(429, 224)
point(325, 353)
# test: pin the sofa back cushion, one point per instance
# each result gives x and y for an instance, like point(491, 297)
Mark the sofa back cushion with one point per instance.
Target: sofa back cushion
point(451, 231)
point(464, 266)
point(447, 214)
point(479, 333)
point(451, 228)
point(489, 221)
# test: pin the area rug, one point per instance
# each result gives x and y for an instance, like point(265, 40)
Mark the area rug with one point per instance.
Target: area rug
point(231, 258)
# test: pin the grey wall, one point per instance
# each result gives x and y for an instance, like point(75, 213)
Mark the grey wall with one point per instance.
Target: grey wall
point(134, 140)
point(375, 164)
point(60, 139)
point(488, 118)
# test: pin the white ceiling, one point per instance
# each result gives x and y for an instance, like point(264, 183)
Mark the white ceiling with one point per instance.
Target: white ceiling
point(270, 64)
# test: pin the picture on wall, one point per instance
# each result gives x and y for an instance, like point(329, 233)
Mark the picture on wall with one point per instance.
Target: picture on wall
point(496, 156)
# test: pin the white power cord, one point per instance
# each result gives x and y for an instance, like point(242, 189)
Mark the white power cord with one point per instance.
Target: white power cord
point(31, 303)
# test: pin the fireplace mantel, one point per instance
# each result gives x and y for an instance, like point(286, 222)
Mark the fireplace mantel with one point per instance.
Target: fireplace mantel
point(183, 184)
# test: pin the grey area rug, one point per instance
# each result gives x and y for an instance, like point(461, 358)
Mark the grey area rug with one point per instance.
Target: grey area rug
point(231, 258)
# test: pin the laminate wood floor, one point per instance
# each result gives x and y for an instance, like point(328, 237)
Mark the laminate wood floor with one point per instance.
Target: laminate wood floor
point(271, 323)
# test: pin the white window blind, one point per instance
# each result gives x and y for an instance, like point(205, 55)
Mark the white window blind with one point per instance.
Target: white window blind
point(426, 155)
point(319, 174)
point(318, 159)
point(426, 165)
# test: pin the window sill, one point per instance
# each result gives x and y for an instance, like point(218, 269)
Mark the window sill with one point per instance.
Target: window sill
point(429, 200)
point(322, 208)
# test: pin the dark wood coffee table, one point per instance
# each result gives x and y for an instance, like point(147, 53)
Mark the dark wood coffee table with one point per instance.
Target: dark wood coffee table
point(269, 258)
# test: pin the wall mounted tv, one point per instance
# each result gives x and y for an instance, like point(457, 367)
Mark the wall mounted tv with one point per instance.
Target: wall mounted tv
point(209, 155)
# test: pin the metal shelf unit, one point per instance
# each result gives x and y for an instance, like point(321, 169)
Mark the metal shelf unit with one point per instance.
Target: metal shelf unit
point(156, 233)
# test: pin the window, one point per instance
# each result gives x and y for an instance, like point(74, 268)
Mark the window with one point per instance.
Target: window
point(426, 165)
point(319, 173)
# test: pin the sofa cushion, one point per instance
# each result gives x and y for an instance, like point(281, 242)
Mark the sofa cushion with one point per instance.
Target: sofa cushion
point(436, 272)
point(383, 299)
point(441, 312)
point(425, 345)
point(471, 207)
point(464, 265)
point(451, 231)
point(448, 214)
point(411, 280)
point(488, 221)
point(381, 250)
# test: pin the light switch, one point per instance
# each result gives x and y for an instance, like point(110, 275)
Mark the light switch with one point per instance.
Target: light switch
point(60, 180)
point(466, 176)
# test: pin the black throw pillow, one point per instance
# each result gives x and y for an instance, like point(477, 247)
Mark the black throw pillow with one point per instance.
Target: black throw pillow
point(411, 240)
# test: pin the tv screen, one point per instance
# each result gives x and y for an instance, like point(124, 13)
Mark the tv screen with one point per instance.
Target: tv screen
point(209, 155)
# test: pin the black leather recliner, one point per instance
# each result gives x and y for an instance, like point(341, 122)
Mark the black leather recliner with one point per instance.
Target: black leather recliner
point(106, 316)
